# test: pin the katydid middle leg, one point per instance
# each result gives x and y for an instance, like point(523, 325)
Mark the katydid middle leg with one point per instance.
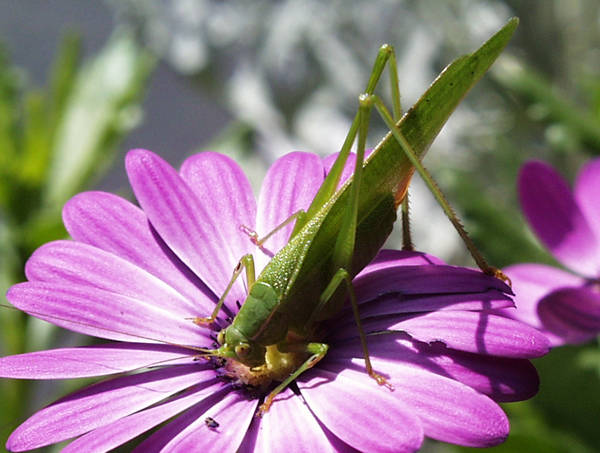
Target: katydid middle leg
point(259, 241)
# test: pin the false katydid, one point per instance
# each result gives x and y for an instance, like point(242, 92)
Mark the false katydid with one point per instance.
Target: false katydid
point(309, 279)
point(274, 335)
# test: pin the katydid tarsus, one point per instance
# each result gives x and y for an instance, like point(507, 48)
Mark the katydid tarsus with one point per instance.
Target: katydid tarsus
point(275, 333)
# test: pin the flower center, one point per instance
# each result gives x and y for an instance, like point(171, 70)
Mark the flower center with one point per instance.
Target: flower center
point(278, 366)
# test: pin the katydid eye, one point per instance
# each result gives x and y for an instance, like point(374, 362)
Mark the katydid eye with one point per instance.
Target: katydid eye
point(242, 350)
point(221, 337)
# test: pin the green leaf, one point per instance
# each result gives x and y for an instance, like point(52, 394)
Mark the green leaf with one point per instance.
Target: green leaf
point(102, 107)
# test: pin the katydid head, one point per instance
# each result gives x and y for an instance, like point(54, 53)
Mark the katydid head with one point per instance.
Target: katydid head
point(235, 345)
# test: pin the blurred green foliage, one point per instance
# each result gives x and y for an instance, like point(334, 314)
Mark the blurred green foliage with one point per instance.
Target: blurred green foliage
point(55, 142)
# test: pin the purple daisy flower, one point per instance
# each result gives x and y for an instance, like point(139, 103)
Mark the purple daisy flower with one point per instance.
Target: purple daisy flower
point(563, 305)
point(139, 276)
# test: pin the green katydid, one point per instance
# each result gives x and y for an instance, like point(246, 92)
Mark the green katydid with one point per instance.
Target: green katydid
point(273, 336)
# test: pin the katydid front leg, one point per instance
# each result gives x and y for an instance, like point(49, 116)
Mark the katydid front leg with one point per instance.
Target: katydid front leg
point(245, 262)
point(298, 216)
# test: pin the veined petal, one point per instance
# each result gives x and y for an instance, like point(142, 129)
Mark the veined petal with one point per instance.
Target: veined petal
point(184, 223)
point(587, 188)
point(289, 422)
point(100, 313)
point(189, 432)
point(110, 436)
point(359, 412)
point(553, 214)
point(88, 361)
point(73, 262)
point(227, 201)
point(446, 409)
point(503, 379)
point(103, 403)
point(478, 332)
point(289, 186)
point(115, 225)
point(572, 314)
point(411, 280)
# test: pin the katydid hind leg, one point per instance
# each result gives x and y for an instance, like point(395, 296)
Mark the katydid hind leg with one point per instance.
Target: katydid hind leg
point(386, 55)
point(247, 263)
point(435, 190)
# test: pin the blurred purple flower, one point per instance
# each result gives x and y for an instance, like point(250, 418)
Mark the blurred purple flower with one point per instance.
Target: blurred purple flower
point(137, 276)
point(565, 306)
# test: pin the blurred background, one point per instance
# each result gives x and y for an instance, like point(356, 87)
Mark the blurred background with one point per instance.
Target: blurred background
point(81, 83)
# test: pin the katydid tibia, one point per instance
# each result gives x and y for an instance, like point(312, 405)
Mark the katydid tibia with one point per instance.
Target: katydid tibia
point(274, 336)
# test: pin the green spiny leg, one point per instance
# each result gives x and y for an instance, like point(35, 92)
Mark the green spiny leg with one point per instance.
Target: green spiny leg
point(407, 243)
point(386, 54)
point(298, 216)
point(435, 190)
point(246, 262)
point(344, 246)
point(316, 350)
point(397, 114)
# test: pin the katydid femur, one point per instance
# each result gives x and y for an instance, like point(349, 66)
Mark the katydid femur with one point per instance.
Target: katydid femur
point(274, 336)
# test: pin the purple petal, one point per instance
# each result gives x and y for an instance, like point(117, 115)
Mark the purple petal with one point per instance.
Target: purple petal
point(290, 423)
point(113, 224)
point(226, 199)
point(101, 404)
point(289, 186)
point(396, 258)
point(124, 429)
point(69, 363)
point(587, 188)
point(481, 333)
point(96, 312)
point(500, 378)
point(532, 282)
point(67, 262)
point(552, 212)
point(359, 412)
point(572, 314)
point(412, 280)
point(397, 303)
point(447, 410)
point(232, 411)
point(191, 229)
